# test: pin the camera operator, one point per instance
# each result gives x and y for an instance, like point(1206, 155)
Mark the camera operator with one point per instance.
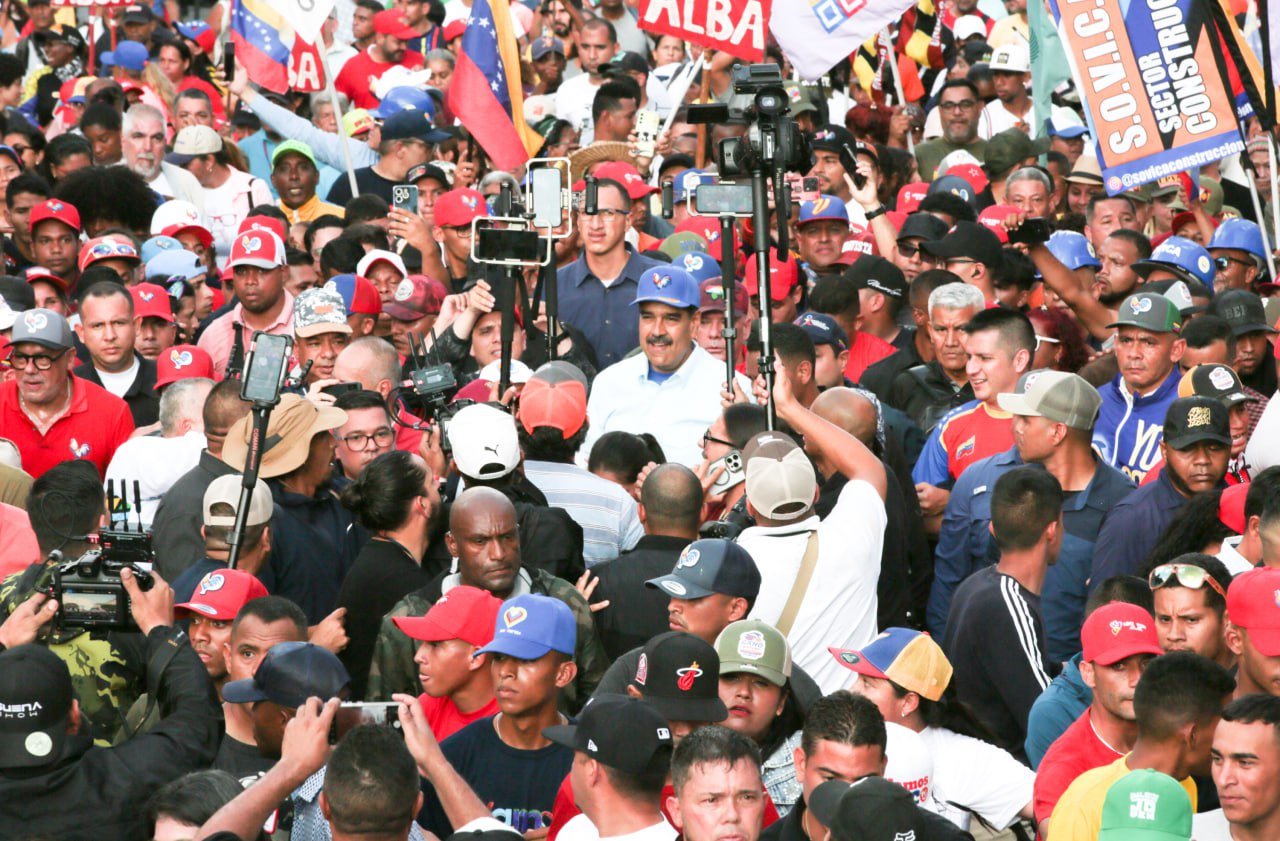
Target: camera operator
point(53, 780)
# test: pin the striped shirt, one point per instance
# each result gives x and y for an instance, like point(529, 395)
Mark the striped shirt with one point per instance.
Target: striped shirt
point(608, 515)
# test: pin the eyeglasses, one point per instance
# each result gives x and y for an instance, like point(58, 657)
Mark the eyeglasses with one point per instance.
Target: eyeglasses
point(21, 150)
point(708, 438)
point(951, 261)
point(463, 231)
point(42, 361)
point(609, 213)
point(1047, 340)
point(1188, 575)
point(360, 440)
point(910, 252)
point(965, 104)
point(1223, 263)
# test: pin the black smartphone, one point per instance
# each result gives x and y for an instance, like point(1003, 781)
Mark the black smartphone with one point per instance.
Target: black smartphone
point(229, 60)
point(1031, 232)
point(266, 368)
point(339, 389)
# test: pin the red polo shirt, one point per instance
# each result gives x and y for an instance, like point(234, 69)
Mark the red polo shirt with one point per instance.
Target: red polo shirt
point(866, 351)
point(96, 424)
point(1077, 750)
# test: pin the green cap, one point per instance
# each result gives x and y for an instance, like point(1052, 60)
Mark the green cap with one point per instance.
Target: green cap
point(1008, 149)
point(1140, 193)
point(1146, 805)
point(1150, 311)
point(684, 242)
point(296, 146)
point(750, 645)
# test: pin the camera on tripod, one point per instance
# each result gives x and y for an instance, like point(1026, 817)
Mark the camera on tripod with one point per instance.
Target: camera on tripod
point(88, 589)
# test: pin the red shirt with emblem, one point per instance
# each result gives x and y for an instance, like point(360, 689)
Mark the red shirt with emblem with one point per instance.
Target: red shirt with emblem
point(94, 426)
point(361, 71)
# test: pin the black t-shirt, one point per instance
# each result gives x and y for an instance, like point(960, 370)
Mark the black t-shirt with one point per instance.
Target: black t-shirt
point(636, 613)
point(519, 786)
point(382, 575)
point(367, 180)
point(241, 761)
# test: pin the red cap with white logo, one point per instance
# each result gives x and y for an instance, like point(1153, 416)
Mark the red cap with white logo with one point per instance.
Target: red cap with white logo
point(783, 275)
point(1116, 631)
point(150, 300)
point(257, 247)
point(221, 594)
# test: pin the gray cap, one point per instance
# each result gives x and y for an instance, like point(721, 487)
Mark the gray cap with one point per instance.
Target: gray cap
point(42, 327)
point(1056, 395)
point(319, 310)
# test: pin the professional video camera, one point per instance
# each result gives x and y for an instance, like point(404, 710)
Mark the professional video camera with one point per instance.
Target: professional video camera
point(88, 589)
point(773, 140)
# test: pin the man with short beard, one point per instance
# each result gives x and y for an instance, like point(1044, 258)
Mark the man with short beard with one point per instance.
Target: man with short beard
point(142, 140)
point(258, 262)
point(358, 75)
point(960, 105)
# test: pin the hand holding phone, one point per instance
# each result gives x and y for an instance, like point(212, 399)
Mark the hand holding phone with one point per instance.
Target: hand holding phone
point(648, 124)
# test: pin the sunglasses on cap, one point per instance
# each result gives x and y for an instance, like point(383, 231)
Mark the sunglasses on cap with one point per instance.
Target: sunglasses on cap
point(1187, 575)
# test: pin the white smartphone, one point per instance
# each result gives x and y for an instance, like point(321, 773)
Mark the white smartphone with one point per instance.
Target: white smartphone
point(648, 124)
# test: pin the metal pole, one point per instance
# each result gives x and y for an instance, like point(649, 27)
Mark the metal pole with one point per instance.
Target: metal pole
point(252, 461)
point(337, 110)
point(728, 273)
point(760, 245)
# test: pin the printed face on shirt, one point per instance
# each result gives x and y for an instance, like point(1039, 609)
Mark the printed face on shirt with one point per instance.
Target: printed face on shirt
point(720, 802)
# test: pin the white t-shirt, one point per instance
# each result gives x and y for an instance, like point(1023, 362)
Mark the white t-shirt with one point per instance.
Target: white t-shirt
point(155, 463)
point(1001, 790)
point(1210, 826)
point(839, 608)
point(573, 103)
point(1231, 557)
point(119, 383)
point(1264, 445)
point(580, 828)
point(227, 206)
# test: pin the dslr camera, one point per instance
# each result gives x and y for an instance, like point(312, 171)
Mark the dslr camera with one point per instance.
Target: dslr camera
point(89, 591)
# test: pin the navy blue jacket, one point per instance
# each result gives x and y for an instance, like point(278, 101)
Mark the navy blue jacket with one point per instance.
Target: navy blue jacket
point(1133, 528)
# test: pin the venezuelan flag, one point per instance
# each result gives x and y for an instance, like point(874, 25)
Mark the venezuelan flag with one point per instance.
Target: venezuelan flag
point(263, 42)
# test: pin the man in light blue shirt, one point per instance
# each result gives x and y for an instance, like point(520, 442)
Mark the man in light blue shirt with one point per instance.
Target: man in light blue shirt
point(672, 388)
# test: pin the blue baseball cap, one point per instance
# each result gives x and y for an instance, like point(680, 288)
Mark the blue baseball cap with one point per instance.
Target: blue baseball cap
point(826, 208)
point(824, 330)
point(1184, 258)
point(1073, 250)
point(670, 285)
point(128, 54)
point(1064, 128)
point(685, 183)
point(708, 566)
point(404, 98)
point(155, 245)
point(173, 263)
point(290, 673)
point(529, 626)
point(700, 266)
point(953, 184)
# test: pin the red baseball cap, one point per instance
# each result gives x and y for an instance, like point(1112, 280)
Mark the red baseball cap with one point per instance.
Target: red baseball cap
point(34, 273)
point(1253, 603)
point(971, 173)
point(1231, 507)
point(221, 594)
point(910, 196)
point(993, 218)
point(707, 227)
point(1116, 631)
point(55, 209)
point(454, 29)
point(562, 405)
point(391, 22)
point(457, 208)
point(783, 275)
point(464, 613)
point(182, 362)
point(417, 296)
point(257, 247)
point(358, 294)
point(265, 223)
point(107, 248)
point(206, 238)
point(628, 176)
point(150, 300)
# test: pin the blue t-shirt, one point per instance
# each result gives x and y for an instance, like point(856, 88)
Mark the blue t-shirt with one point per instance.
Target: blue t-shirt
point(518, 786)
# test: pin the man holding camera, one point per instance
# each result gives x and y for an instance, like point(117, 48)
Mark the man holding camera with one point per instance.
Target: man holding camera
point(53, 780)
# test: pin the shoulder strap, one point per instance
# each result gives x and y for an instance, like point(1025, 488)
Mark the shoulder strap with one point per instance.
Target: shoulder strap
point(801, 585)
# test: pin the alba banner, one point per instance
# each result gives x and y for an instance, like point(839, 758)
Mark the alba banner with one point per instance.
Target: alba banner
point(732, 26)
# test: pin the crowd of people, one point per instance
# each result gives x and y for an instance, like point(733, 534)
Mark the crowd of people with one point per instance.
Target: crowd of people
point(979, 538)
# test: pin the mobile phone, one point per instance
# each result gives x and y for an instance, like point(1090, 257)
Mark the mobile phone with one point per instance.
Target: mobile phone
point(229, 60)
point(547, 191)
point(648, 124)
point(405, 197)
point(339, 389)
point(353, 714)
point(266, 367)
point(804, 188)
point(1031, 232)
point(734, 471)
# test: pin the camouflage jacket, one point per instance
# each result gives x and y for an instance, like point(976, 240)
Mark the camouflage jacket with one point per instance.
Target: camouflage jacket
point(108, 671)
point(393, 669)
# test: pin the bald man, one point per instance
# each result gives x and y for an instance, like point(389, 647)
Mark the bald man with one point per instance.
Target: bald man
point(484, 540)
point(374, 363)
point(904, 560)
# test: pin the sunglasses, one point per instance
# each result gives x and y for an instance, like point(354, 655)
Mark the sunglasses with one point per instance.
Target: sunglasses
point(1188, 575)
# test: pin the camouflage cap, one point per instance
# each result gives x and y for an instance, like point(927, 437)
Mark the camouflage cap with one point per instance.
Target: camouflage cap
point(319, 310)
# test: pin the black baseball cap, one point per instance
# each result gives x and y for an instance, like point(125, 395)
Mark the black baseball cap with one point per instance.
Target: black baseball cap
point(871, 809)
point(680, 675)
point(138, 13)
point(923, 225)
point(289, 674)
point(412, 124)
point(35, 700)
point(711, 566)
point(1191, 420)
point(625, 62)
point(631, 748)
point(1243, 310)
point(17, 293)
point(968, 239)
point(421, 171)
point(1213, 379)
point(879, 275)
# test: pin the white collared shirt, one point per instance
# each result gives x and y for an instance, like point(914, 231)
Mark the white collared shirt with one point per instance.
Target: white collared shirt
point(677, 411)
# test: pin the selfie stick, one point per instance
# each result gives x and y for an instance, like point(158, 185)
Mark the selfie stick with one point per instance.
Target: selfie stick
point(760, 245)
point(728, 271)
